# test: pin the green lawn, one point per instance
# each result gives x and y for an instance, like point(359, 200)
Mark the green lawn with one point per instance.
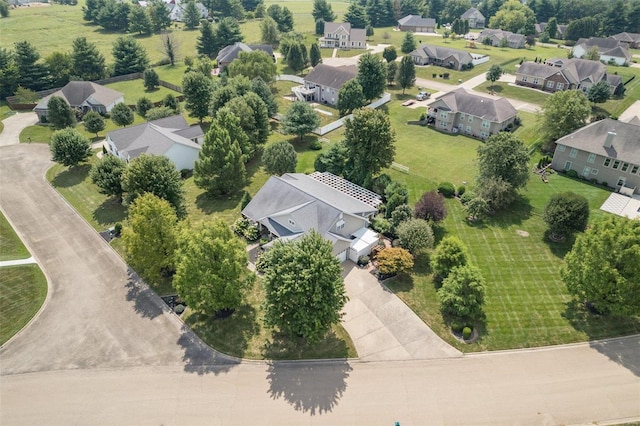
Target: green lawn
point(172, 74)
point(134, 90)
point(520, 93)
point(10, 245)
point(22, 292)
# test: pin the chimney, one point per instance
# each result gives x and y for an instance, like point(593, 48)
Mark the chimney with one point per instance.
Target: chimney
point(609, 139)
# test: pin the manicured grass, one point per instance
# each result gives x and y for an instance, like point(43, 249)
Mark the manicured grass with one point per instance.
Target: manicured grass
point(508, 91)
point(41, 133)
point(616, 106)
point(172, 74)
point(22, 292)
point(134, 90)
point(10, 245)
point(243, 335)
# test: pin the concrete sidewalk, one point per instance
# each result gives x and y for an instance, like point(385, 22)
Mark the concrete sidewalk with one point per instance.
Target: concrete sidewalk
point(16, 262)
point(382, 327)
point(14, 125)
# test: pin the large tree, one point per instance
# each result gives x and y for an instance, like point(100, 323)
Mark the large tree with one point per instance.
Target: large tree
point(406, 74)
point(282, 16)
point(192, 15)
point(226, 119)
point(256, 64)
point(122, 115)
point(88, 62)
point(494, 73)
point(514, 16)
point(356, 15)
point(262, 89)
point(220, 166)
point(322, 10)
point(139, 21)
point(415, 235)
point(389, 53)
point(334, 160)
point(150, 238)
point(304, 289)
point(206, 43)
point(129, 56)
point(449, 254)
point(370, 143)
point(93, 122)
point(315, 56)
point(296, 57)
point(562, 113)
point(453, 9)
point(60, 65)
point(506, 157)
point(9, 73)
point(602, 268)
point(300, 119)
point(255, 121)
point(228, 32)
point(408, 43)
point(211, 268)
point(462, 294)
point(59, 113)
point(279, 158)
point(32, 74)
point(69, 148)
point(114, 16)
point(372, 75)
point(350, 97)
point(599, 92)
point(566, 212)
point(197, 89)
point(106, 174)
point(157, 175)
point(269, 33)
point(159, 15)
point(431, 207)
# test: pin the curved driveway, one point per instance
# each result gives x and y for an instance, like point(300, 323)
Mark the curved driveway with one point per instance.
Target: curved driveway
point(104, 350)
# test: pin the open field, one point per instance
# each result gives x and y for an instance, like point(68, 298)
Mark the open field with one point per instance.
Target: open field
point(134, 90)
point(10, 245)
point(508, 91)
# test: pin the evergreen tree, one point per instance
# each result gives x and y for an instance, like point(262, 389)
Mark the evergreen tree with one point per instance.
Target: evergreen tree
point(151, 79)
point(295, 58)
point(143, 105)
point(191, 16)
point(114, 16)
point(139, 21)
point(315, 55)
point(227, 33)
point(122, 115)
point(159, 15)
point(9, 73)
point(220, 167)
point(227, 120)
point(322, 10)
point(129, 56)
point(300, 119)
point(88, 62)
point(197, 89)
point(171, 102)
point(280, 158)
point(262, 89)
point(408, 43)
point(32, 74)
point(356, 16)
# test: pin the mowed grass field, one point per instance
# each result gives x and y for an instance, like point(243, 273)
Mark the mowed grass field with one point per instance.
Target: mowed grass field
point(11, 247)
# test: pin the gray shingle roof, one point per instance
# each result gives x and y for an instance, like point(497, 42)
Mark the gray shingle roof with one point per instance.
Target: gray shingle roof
point(590, 138)
point(442, 53)
point(77, 92)
point(417, 21)
point(537, 70)
point(332, 27)
point(472, 13)
point(334, 77)
point(231, 52)
point(627, 37)
point(496, 110)
point(606, 46)
point(575, 70)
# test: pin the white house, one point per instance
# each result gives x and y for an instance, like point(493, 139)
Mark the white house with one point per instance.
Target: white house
point(171, 137)
point(324, 82)
point(609, 49)
point(341, 35)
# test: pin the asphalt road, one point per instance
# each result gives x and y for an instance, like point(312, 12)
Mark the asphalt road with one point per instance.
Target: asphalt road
point(104, 350)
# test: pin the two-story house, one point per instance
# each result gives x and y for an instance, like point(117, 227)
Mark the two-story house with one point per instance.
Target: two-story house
point(514, 41)
point(607, 151)
point(340, 35)
point(475, 18)
point(477, 116)
point(291, 205)
point(324, 82)
point(565, 74)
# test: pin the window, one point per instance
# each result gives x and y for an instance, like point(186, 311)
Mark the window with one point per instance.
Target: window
point(443, 124)
point(470, 119)
point(560, 86)
point(621, 181)
point(484, 135)
point(550, 84)
point(573, 153)
point(625, 167)
point(594, 172)
point(340, 225)
point(607, 162)
point(567, 165)
point(462, 117)
point(586, 171)
point(591, 159)
point(535, 81)
point(524, 78)
point(443, 114)
point(468, 130)
point(561, 148)
point(634, 169)
point(485, 124)
point(616, 164)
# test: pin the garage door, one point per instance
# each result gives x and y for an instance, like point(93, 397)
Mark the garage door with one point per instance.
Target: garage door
point(342, 256)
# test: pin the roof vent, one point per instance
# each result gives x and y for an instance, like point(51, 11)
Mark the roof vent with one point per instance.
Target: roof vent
point(609, 139)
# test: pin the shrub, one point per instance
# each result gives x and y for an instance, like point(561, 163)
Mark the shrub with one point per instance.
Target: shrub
point(363, 260)
point(457, 326)
point(393, 260)
point(423, 116)
point(572, 173)
point(604, 183)
point(594, 181)
point(466, 197)
point(466, 333)
point(246, 229)
point(117, 229)
point(179, 309)
point(461, 190)
point(447, 189)
point(186, 173)
point(316, 145)
point(381, 225)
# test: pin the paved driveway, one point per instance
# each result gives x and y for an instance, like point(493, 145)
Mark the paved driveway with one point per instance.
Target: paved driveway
point(14, 125)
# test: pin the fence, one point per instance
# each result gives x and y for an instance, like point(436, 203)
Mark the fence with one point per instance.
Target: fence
point(321, 131)
point(288, 77)
point(400, 167)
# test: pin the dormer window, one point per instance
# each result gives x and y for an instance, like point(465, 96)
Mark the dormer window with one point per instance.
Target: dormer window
point(340, 225)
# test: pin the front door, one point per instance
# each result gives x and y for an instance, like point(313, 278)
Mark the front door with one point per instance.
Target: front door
point(586, 171)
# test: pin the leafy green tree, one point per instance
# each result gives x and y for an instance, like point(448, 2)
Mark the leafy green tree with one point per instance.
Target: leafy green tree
point(88, 62)
point(408, 43)
point(431, 207)
point(334, 160)
point(207, 43)
point(211, 271)
point(592, 54)
point(114, 15)
point(389, 53)
point(60, 65)
point(32, 74)
point(122, 115)
point(599, 92)
point(396, 194)
point(506, 157)
point(220, 166)
point(400, 214)
point(300, 119)
point(191, 16)
point(494, 73)
point(478, 207)
point(453, 9)
point(170, 47)
point(230, 8)
point(69, 148)
point(585, 27)
point(415, 235)
point(372, 75)
point(406, 73)
point(394, 260)
point(197, 90)
point(262, 89)
point(150, 239)
point(158, 175)
point(602, 267)
point(59, 113)
point(269, 33)
point(256, 123)
point(319, 27)
point(462, 294)
point(159, 15)
point(280, 158)
point(227, 120)
point(496, 194)
point(350, 97)
point(356, 15)
point(93, 122)
point(392, 71)
point(304, 289)
point(552, 27)
point(287, 40)
point(515, 17)
point(449, 254)
point(159, 112)
point(106, 174)
point(253, 5)
point(129, 56)
point(4, 9)
point(315, 56)
point(562, 113)
point(566, 212)
point(322, 10)
point(139, 21)
point(256, 64)
point(151, 79)
point(370, 143)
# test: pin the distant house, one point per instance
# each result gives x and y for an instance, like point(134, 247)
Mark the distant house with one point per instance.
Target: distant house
point(560, 29)
point(514, 41)
point(293, 204)
point(341, 35)
point(427, 54)
point(231, 52)
point(475, 18)
point(83, 95)
point(610, 49)
point(461, 112)
point(630, 39)
point(565, 74)
point(171, 137)
point(607, 150)
point(324, 82)
point(176, 10)
point(417, 24)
